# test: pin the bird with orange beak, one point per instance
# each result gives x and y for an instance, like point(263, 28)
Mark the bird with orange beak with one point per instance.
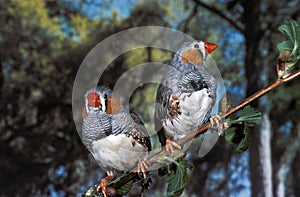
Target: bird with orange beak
point(186, 95)
point(116, 138)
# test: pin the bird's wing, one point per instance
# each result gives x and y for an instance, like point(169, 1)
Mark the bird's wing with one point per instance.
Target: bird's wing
point(120, 122)
point(129, 123)
point(142, 133)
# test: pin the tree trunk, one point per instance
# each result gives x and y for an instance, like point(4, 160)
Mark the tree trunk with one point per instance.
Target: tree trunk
point(296, 174)
point(260, 149)
point(1, 75)
point(285, 164)
point(260, 160)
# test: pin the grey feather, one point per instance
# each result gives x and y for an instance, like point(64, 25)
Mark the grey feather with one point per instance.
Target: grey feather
point(96, 126)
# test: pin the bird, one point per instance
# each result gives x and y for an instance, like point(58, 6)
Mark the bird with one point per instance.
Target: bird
point(115, 137)
point(186, 95)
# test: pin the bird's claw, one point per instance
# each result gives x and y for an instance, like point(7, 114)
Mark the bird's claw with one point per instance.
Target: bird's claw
point(142, 167)
point(217, 123)
point(104, 182)
point(170, 145)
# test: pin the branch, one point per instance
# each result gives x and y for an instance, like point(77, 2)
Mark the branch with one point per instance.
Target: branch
point(221, 14)
point(189, 18)
point(154, 158)
point(241, 105)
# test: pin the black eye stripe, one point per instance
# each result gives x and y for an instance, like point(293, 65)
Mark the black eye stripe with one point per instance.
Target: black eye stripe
point(105, 99)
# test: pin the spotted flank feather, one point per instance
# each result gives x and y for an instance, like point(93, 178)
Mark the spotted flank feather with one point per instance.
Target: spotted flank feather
point(132, 132)
point(138, 132)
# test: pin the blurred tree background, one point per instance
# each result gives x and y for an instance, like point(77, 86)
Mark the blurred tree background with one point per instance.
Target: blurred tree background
point(42, 44)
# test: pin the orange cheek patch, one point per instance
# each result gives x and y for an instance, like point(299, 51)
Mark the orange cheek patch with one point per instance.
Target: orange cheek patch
point(113, 105)
point(185, 60)
point(192, 56)
point(83, 113)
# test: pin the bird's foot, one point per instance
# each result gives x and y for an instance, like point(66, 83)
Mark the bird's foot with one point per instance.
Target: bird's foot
point(103, 184)
point(217, 123)
point(142, 167)
point(170, 145)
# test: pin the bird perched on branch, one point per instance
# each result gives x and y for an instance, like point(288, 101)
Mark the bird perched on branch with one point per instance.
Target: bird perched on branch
point(186, 95)
point(115, 137)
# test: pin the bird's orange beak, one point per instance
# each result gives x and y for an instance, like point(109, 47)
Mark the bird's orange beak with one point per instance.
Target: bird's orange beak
point(210, 47)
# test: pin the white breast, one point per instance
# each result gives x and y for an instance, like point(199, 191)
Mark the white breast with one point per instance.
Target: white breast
point(118, 152)
point(194, 110)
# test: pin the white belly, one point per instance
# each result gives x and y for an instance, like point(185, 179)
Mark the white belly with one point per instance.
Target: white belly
point(118, 152)
point(194, 110)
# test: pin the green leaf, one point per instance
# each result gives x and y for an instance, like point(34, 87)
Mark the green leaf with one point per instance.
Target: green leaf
point(230, 134)
point(91, 192)
point(121, 190)
point(249, 115)
point(292, 30)
point(125, 188)
point(238, 134)
point(245, 142)
point(178, 179)
point(284, 45)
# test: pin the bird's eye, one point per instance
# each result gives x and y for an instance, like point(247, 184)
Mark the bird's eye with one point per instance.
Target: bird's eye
point(196, 46)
